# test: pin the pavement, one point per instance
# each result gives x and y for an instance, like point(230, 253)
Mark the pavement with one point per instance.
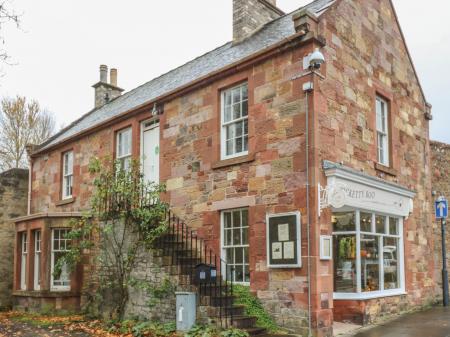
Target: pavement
point(434, 322)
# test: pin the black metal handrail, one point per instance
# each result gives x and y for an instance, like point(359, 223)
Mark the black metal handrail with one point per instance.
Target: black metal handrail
point(184, 239)
point(178, 238)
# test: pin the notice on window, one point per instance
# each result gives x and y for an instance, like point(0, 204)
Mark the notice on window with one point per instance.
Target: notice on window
point(283, 232)
point(289, 251)
point(277, 253)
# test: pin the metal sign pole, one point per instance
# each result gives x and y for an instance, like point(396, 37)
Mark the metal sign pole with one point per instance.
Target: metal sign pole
point(444, 265)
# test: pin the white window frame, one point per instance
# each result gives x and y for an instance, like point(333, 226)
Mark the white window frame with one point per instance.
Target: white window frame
point(23, 260)
point(326, 241)
point(382, 126)
point(360, 295)
point(67, 188)
point(53, 251)
point(224, 247)
point(224, 124)
point(124, 155)
point(37, 259)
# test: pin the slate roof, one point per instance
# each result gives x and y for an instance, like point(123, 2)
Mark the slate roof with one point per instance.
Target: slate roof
point(270, 34)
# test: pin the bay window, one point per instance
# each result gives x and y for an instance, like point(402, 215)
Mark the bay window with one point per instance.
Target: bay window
point(234, 133)
point(60, 244)
point(123, 148)
point(368, 255)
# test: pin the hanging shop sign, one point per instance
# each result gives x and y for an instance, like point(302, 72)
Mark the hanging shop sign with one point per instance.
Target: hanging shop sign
point(283, 240)
point(358, 190)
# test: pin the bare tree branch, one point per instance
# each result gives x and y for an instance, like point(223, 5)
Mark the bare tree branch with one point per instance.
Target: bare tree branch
point(7, 16)
point(21, 123)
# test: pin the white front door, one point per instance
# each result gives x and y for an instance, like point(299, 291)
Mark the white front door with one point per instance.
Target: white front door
point(150, 150)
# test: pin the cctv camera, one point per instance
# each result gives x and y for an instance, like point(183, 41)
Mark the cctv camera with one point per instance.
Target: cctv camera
point(316, 59)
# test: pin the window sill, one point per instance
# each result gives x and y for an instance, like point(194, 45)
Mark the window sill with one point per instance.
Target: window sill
point(45, 293)
point(385, 169)
point(368, 296)
point(66, 201)
point(234, 161)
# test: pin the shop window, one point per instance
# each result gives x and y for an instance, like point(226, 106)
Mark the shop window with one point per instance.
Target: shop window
point(23, 260)
point(60, 245)
point(37, 260)
point(368, 260)
point(124, 148)
point(235, 244)
point(234, 135)
point(382, 117)
point(67, 175)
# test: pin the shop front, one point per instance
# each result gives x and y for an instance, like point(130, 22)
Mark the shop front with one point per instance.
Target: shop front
point(368, 220)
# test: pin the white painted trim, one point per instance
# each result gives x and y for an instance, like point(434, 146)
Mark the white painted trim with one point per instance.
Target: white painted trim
point(323, 239)
point(222, 246)
point(155, 124)
point(369, 295)
point(369, 181)
point(37, 261)
point(359, 294)
point(223, 156)
point(299, 239)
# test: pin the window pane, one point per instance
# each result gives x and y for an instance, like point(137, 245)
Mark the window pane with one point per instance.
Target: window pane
point(344, 247)
point(239, 273)
point(236, 236)
point(390, 262)
point(229, 146)
point(237, 111)
point(239, 255)
point(380, 224)
point(231, 131)
point(244, 218)
point(344, 222)
point(227, 219)
point(365, 222)
point(239, 129)
point(245, 108)
point(370, 264)
point(393, 226)
point(236, 95)
point(239, 145)
point(230, 255)
point(244, 92)
point(227, 99)
point(227, 116)
point(227, 237)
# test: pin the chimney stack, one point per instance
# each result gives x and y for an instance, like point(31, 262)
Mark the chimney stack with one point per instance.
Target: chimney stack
point(104, 91)
point(113, 77)
point(250, 15)
point(104, 73)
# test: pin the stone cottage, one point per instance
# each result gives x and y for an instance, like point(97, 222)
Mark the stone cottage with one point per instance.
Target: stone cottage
point(299, 151)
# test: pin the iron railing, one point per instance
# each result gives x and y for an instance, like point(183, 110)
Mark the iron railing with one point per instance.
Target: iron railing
point(187, 250)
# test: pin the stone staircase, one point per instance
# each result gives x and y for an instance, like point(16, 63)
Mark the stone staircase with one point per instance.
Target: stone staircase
point(179, 251)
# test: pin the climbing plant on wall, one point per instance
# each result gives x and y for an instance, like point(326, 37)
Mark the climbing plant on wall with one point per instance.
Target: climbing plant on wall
point(126, 217)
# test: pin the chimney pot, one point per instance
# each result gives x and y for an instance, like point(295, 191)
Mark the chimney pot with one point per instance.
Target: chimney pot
point(104, 73)
point(113, 77)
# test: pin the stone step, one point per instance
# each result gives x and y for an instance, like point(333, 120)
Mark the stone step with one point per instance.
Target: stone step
point(256, 331)
point(217, 301)
point(243, 322)
point(236, 310)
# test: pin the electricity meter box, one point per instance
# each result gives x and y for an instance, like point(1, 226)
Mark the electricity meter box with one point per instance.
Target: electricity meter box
point(186, 310)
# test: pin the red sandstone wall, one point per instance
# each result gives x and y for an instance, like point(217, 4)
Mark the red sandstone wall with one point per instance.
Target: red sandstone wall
point(367, 56)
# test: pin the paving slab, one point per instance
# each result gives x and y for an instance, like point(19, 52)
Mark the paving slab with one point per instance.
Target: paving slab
point(434, 322)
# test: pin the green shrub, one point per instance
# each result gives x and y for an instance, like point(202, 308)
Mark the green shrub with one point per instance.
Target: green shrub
point(254, 307)
point(234, 333)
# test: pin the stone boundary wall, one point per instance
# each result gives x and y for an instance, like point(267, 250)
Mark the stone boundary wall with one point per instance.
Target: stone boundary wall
point(13, 203)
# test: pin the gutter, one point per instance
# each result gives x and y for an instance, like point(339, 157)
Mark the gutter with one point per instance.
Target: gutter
point(298, 39)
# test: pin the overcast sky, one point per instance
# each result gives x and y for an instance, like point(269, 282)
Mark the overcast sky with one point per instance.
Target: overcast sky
point(62, 43)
